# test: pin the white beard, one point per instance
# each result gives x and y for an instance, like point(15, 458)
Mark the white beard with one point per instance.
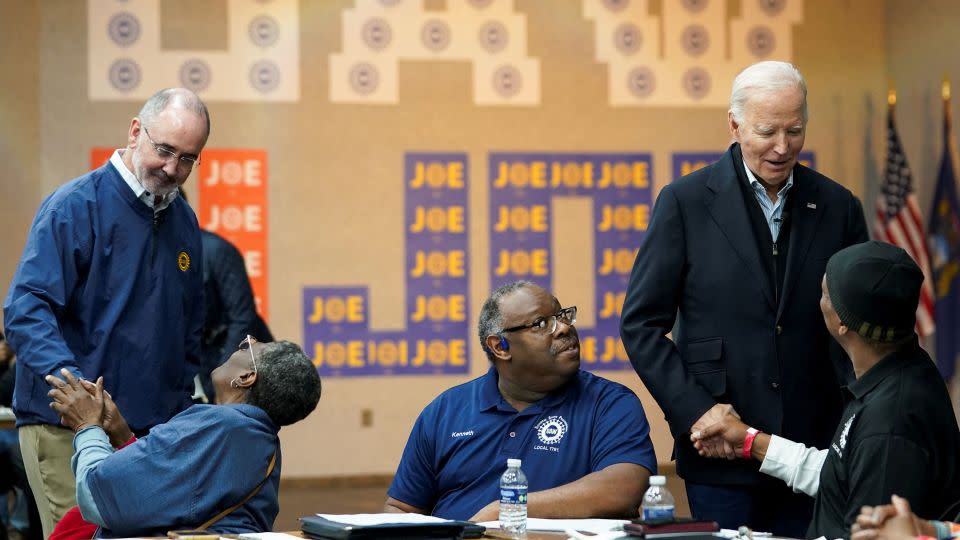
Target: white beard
point(149, 182)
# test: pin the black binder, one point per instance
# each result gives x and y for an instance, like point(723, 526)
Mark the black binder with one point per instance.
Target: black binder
point(322, 528)
point(668, 528)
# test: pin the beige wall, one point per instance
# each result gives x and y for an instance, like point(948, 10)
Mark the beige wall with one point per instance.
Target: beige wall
point(336, 192)
point(20, 156)
point(921, 49)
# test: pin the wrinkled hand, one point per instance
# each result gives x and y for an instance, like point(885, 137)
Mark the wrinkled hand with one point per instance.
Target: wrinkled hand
point(490, 512)
point(77, 407)
point(113, 422)
point(716, 446)
point(890, 522)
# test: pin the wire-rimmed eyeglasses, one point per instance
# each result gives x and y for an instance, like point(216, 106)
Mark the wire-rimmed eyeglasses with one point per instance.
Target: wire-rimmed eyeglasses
point(165, 152)
point(247, 344)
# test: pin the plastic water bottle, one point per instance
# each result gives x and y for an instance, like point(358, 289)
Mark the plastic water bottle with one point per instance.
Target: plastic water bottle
point(657, 501)
point(513, 500)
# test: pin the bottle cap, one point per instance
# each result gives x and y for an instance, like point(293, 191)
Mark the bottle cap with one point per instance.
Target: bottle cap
point(658, 480)
point(513, 462)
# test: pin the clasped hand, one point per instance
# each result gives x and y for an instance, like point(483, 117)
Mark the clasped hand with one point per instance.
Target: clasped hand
point(82, 403)
point(893, 521)
point(719, 433)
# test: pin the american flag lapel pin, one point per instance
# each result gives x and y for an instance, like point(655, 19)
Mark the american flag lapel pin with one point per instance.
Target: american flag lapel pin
point(812, 206)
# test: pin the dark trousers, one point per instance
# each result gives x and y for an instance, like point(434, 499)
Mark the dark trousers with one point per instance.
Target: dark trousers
point(768, 507)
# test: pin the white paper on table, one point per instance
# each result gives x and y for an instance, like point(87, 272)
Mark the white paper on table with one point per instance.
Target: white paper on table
point(595, 526)
point(267, 536)
point(730, 533)
point(381, 519)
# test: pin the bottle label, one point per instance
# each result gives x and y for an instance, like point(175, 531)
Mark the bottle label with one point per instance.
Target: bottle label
point(513, 496)
point(658, 513)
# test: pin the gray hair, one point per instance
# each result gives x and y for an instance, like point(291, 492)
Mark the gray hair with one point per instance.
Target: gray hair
point(491, 319)
point(180, 97)
point(768, 76)
point(287, 386)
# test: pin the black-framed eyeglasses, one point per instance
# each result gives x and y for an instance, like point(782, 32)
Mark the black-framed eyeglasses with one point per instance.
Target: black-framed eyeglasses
point(247, 344)
point(548, 325)
point(165, 152)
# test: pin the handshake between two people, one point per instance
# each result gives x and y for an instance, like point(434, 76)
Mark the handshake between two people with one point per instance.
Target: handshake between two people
point(81, 403)
point(720, 433)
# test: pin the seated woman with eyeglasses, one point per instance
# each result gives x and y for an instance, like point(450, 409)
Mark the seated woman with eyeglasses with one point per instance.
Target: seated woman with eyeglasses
point(213, 467)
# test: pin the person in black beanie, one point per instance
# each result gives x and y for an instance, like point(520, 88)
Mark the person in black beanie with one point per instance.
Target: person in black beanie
point(898, 433)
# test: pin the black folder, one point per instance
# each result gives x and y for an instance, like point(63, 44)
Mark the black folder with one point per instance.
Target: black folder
point(322, 528)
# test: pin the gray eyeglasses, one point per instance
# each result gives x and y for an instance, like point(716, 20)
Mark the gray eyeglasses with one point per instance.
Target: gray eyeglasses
point(165, 152)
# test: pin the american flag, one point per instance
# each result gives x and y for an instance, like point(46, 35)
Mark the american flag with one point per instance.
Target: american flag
point(898, 220)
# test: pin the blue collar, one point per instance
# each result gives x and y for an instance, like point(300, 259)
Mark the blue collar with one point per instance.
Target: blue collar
point(490, 397)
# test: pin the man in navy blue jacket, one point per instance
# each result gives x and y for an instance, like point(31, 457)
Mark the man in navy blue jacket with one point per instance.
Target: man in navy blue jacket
point(111, 284)
point(732, 263)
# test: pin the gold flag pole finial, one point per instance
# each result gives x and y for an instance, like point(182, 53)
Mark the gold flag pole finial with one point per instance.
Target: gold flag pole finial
point(945, 91)
point(892, 95)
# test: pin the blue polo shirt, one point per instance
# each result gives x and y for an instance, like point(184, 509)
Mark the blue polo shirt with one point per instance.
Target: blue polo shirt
point(460, 444)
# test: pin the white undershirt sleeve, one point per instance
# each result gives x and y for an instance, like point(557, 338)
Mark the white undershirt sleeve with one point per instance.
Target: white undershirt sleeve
point(794, 463)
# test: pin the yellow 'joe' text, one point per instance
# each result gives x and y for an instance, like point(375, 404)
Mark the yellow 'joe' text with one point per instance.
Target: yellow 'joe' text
point(438, 263)
point(522, 218)
point(437, 219)
point(338, 309)
point(605, 350)
point(616, 261)
point(624, 217)
point(573, 174)
point(436, 175)
point(390, 353)
point(439, 308)
point(521, 262)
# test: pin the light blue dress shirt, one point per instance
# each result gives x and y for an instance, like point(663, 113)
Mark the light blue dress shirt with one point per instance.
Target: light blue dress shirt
point(90, 446)
point(772, 211)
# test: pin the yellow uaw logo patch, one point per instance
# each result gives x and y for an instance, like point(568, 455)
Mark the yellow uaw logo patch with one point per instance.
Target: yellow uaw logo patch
point(183, 261)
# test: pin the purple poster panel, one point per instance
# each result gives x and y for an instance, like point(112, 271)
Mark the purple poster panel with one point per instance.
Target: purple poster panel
point(685, 163)
point(521, 188)
point(336, 326)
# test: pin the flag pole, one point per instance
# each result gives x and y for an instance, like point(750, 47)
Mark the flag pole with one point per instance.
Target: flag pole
point(945, 93)
point(949, 142)
point(891, 98)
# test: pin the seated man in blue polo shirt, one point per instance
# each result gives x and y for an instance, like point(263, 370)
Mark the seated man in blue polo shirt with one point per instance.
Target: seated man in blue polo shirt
point(584, 440)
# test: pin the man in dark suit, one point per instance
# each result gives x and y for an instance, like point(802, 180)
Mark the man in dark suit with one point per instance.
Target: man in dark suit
point(231, 310)
point(732, 264)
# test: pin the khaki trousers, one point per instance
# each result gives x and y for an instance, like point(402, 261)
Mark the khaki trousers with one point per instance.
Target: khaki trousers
point(46, 458)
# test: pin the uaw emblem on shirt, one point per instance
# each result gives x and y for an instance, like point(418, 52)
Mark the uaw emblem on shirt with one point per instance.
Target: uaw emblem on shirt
point(183, 261)
point(550, 431)
point(843, 436)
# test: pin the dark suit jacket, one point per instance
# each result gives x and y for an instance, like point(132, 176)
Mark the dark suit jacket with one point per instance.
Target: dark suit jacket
point(699, 273)
point(231, 311)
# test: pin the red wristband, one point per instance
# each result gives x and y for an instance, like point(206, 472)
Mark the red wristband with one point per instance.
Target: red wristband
point(748, 441)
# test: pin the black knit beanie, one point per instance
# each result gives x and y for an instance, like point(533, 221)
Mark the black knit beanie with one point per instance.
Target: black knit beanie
point(875, 288)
